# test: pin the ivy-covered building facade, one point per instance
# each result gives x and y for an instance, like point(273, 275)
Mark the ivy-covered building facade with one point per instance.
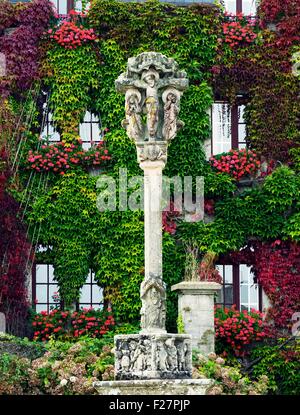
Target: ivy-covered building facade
point(60, 121)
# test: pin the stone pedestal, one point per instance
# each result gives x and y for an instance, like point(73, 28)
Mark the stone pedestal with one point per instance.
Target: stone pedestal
point(153, 356)
point(196, 307)
point(154, 387)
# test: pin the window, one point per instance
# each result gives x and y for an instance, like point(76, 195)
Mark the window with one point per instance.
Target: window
point(247, 7)
point(44, 288)
point(49, 133)
point(63, 6)
point(228, 127)
point(239, 288)
point(89, 130)
point(249, 290)
point(91, 295)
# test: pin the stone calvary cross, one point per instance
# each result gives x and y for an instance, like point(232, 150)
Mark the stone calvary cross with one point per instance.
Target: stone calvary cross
point(153, 86)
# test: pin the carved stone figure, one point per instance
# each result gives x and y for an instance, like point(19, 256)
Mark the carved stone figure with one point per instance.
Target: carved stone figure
point(133, 122)
point(151, 78)
point(148, 360)
point(180, 357)
point(153, 304)
point(161, 357)
point(152, 356)
point(172, 354)
point(153, 86)
point(152, 75)
point(171, 125)
point(125, 361)
point(187, 356)
point(133, 353)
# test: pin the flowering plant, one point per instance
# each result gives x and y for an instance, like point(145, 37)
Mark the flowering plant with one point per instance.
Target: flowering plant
point(239, 31)
point(61, 157)
point(70, 35)
point(169, 217)
point(235, 329)
point(237, 163)
point(64, 324)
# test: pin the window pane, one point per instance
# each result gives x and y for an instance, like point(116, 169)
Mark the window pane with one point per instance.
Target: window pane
point(230, 6)
point(244, 294)
point(241, 110)
point(85, 132)
point(41, 307)
point(51, 273)
point(95, 132)
point(41, 273)
point(85, 294)
point(220, 268)
point(221, 128)
point(229, 294)
point(97, 294)
point(86, 146)
point(249, 7)
point(242, 132)
point(94, 118)
point(254, 294)
point(62, 7)
point(228, 273)
point(220, 297)
point(41, 293)
point(244, 274)
point(52, 289)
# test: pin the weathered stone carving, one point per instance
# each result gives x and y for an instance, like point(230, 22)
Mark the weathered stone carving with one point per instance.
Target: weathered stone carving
point(133, 122)
point(172, 124)
point(153, 86)
point(153, 356)
point(152, 151)
point(153, 311)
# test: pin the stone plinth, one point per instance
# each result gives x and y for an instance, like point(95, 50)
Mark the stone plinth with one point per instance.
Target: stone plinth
point(153, 356)
point(154, 387)
point(196, 307)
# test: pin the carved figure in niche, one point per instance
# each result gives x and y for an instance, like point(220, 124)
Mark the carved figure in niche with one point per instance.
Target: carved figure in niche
point(151, 78)
point(125, 361)
point(161, 356)
point(133, 122)
point(187, 356)
point(172, 354)
point(154, 308)
point(140, 357)
point(148, 362)
point(171, 111)
point(133, 355)
point(118, 355)
point(180, 356)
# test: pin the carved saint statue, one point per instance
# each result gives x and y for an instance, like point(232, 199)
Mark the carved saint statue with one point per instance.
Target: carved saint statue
point(161, 356)
point(151, 78)
point(171, 111)
point(172, 354)
point(133, 122)
point(154, 308)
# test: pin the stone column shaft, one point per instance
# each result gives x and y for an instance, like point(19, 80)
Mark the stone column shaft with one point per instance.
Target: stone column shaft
point(153, 217)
